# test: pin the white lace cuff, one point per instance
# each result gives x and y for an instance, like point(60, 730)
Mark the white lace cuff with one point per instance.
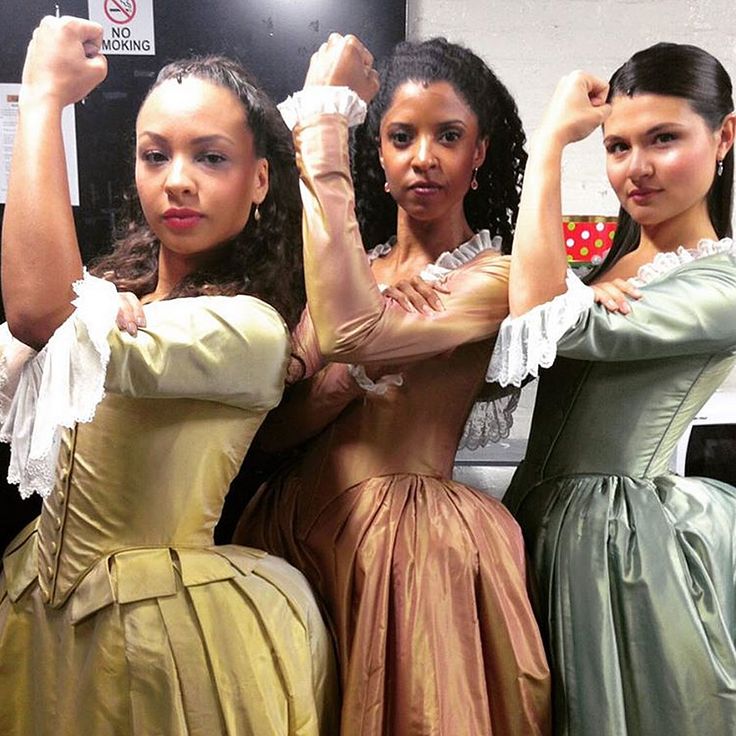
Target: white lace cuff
point(529, 342)
point(489, 421)
point(370, 386)
point(59, 386)
point(318, 100)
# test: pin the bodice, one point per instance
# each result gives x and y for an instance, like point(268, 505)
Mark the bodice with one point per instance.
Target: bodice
point(620, 418)
point(144, 473)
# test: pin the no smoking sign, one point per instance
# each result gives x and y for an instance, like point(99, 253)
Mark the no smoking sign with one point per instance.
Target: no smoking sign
point(128, 26)
point(120, 11)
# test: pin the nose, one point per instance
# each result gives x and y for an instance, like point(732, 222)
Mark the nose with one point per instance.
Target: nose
point(178, 177)
point(640, 163)
point(424, 157)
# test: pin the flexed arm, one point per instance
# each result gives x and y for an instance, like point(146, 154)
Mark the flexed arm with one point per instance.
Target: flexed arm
point(353, 321)
point(539, 263)
point(40, 255)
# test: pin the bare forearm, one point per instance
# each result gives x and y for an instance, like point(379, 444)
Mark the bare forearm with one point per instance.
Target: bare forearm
point(40, 256)
point(539, 264)
point(539, 261)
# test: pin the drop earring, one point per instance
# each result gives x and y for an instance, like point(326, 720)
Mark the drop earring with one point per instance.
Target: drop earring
point(474, 180)
point(257, 214)
point(386, 187)
point(719, 167)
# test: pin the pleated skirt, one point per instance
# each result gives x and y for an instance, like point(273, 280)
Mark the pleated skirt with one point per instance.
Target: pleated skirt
point(169, 642)
point(424, 582)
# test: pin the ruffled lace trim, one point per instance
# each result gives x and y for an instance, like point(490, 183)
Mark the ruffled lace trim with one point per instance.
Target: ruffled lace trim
point(379, 387)
point(59, 386)
point(489, 420)
point(529, 342)
point(663, 263)
point(320, 100)
point(450, 259)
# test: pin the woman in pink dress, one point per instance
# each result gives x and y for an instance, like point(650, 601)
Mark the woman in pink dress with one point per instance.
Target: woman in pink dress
point(423, 578)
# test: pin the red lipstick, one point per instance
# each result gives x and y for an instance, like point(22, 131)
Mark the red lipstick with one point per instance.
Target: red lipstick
point(182, 218)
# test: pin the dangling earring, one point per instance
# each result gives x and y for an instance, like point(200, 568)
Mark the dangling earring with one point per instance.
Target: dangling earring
point(386, 187)
point(474, 180)
point(257, 214)
point(719, 167)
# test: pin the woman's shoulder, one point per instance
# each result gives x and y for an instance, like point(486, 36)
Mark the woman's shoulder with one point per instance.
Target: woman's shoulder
point(706, 256)
point(239, 310)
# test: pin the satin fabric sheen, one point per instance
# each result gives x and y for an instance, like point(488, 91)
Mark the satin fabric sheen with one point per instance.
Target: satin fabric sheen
point(118, 616)
point(635, 565)
point(424, 579)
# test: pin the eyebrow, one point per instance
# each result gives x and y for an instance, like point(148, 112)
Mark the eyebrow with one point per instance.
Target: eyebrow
point(650, 132)
point(442, 124)
point(199, 140)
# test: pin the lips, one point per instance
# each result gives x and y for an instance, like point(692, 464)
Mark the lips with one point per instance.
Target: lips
point(181, 218)
point(425, 188)
point(643, 195)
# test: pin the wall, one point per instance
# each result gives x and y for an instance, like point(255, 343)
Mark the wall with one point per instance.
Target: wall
point(531, 44)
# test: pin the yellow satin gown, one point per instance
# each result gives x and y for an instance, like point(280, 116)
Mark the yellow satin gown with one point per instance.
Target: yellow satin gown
point(118, 616)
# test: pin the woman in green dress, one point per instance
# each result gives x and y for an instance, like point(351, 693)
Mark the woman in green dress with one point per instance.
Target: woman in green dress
point(635, 566)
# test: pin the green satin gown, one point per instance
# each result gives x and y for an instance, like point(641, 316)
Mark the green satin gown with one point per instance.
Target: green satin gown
point(635, 566)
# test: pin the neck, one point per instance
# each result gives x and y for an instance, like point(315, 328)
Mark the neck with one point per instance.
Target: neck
point(686, 230)
point(173, 268)
point(422, 239)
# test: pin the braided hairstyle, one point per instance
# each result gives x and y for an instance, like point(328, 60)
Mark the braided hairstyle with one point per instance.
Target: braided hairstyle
point(265, 258)
point(495, 203)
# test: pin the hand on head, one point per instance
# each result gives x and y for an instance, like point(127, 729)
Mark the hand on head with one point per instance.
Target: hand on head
point(343, 61)
point(63, 61)
point(578, 106)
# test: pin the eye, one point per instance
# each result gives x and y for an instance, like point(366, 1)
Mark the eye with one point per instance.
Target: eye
point(616, 147)
point(153, 157)
point(212, 158)
point(663, 138)
point(451, 135)
point(399, 138)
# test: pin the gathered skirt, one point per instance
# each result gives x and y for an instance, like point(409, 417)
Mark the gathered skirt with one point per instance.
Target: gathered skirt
point(424, 582)
point(637, 598)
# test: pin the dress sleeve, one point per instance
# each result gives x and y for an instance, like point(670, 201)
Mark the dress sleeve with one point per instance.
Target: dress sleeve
point(233, 350)
point(352, 320)
point(688, 310)
point(228, 349)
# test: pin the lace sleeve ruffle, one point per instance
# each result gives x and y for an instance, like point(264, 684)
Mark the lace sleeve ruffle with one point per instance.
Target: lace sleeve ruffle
point(529, 342)
point(490, 420)
point(319, 100)
point(58, 387)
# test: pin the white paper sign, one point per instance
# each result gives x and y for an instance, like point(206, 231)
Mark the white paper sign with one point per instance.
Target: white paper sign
point(128, 26)
point(8, 125)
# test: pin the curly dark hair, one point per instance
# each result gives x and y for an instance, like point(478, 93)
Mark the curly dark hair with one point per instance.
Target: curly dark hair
point(265, 259)
point(495, 203)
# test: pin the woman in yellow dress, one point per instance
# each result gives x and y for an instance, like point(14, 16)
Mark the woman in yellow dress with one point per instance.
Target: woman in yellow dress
point(423, 577)
point(118, 616)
